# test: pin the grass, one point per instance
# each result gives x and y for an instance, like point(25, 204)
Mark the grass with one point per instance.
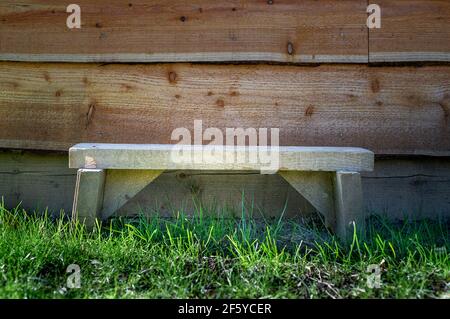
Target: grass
point(206, 257)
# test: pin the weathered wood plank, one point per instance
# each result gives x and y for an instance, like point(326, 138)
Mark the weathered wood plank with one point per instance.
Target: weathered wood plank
point(206, 157)
point(418, 188)
point(390, 110)
point(175, 30)
point(37, 181)
point(398, 187)
point(411, 30)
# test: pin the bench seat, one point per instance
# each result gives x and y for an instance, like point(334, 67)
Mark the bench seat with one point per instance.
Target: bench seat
point(158, 157)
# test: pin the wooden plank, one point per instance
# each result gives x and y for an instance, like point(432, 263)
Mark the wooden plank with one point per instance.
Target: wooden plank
point(175, 30)
point(229, 157)
point(411, 30)
point(390, 110)
point(37, 181)
point(88, 196)
point(417, 188)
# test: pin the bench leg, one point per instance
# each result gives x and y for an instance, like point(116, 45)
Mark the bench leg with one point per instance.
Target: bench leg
point(337, 196)
point(348, 204)
point(88, 198)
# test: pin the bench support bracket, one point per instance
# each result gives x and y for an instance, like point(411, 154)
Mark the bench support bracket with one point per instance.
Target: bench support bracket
point(316, 188)
point(122, 186)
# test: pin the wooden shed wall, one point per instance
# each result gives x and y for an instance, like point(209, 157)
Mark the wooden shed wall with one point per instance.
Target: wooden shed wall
point(390, 110)
point(311, 68)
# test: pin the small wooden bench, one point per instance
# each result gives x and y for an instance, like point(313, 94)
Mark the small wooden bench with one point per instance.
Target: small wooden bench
point(109, 175)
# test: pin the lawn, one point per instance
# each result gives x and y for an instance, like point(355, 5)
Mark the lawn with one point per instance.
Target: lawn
point(217, 257)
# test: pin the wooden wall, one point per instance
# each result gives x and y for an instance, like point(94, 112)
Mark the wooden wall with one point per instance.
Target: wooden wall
point(390, 110)
point(139, 69)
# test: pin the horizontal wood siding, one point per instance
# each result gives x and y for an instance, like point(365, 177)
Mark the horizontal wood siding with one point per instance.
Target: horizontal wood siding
point(411, 30)
point(172, 30)
point(304, 31)
point(389, 110)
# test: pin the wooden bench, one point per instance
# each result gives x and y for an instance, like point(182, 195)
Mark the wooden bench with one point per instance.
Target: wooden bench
point(328, 177)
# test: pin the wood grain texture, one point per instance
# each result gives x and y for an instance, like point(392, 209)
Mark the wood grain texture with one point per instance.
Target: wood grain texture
point(37, 181)
point(398, 187)
point(389, 110)
point(177, 30)
point(411, 30)
point(417, 188)
point(228, 157)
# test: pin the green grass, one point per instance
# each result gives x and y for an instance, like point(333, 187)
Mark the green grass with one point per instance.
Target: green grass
point(203, 257)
